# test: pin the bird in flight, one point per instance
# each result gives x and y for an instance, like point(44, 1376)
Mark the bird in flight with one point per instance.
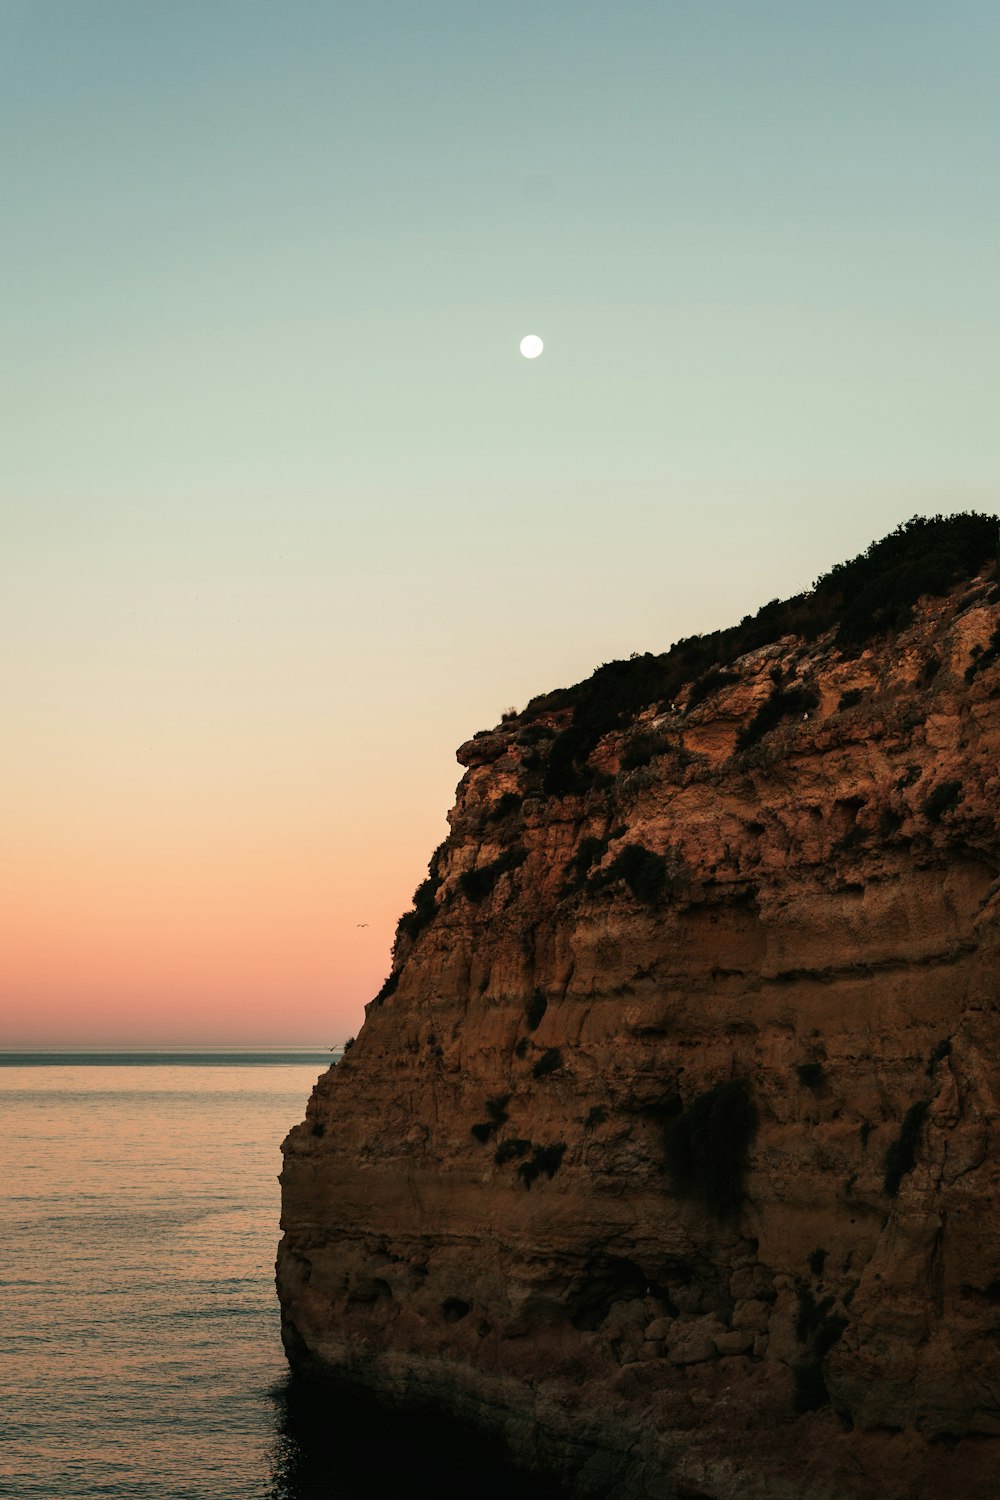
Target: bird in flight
point(361, 924)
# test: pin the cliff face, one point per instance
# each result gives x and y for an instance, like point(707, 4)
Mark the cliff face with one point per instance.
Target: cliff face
point(669, 1153)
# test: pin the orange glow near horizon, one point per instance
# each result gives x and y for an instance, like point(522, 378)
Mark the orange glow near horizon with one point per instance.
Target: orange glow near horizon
point(237, 926)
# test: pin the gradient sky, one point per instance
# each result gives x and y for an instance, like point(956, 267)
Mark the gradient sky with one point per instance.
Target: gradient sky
point(285, 515)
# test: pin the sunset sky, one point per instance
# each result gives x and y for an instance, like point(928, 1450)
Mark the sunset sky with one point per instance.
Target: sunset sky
point(286, 516)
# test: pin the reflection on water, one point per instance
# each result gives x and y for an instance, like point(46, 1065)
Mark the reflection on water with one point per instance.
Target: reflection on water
point(141, 1356)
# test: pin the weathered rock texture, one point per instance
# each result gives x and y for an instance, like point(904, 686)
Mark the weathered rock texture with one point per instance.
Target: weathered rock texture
point(526, 1197)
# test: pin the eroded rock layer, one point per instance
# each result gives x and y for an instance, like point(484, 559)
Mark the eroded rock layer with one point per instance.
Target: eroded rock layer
point(669, 1153)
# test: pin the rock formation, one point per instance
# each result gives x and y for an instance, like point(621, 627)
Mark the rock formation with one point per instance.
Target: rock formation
point(668, 1153)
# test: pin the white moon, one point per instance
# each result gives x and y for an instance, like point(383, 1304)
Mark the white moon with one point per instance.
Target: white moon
point(531, 346)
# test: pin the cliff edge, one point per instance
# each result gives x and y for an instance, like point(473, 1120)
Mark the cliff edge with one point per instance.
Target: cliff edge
point(667, 1154)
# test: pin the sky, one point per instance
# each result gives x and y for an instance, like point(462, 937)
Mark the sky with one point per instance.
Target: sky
point(284, 514)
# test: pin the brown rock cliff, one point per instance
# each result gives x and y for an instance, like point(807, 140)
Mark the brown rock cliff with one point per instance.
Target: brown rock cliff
point(669, 1153)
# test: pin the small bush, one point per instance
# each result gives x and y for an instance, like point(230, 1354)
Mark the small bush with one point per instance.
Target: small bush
point(534, 1009)
point(646, 874)
point(483, 1131)
point(596, 1115)
point(850, 699)
point(811, 1075)
point(318, 1128)
point(521, 1049)
point(412, 923)
point(931, 668)
point(981, 659)
point(865, 597)
point(544, 1159)
point(708, 684)
point(827, 1334)
point(349, 1044)
point(810, 1314)
point(455, 1309)
point(901, 1157)
point(782, 704)
point(707, 1146)
point(817, 1261)
point(511, 1151)
point(589, 852)
point(811, 1393)
point(497, 1109)
point(641, 749)
point(478, 884)
point(890, 822)
point(945, 796)
point(389, 984)
point(550, 1060)
point(941, 1051)
point(505, 806)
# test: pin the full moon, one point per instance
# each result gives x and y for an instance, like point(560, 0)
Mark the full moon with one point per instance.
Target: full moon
point(531, 346)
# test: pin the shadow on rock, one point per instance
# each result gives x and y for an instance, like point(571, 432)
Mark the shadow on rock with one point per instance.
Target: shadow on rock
point(331, 1447)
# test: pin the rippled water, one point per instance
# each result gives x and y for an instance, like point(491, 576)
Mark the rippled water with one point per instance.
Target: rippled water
point(140, 1354)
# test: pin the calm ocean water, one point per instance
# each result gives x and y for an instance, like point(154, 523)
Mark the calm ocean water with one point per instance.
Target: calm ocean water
point(140, 1353)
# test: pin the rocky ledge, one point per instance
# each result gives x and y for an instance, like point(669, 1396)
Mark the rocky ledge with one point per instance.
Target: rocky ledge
point(667, 1154)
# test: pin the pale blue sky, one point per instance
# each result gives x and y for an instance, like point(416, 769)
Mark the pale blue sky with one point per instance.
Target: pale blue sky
point(273, 475)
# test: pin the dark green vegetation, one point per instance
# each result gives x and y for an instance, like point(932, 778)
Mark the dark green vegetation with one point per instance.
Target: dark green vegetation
point(985, 658)
point(505, 807)
point(477, 884)
point(589, 852)
point(850, 699)
point(496, 1110)
point(817, 1329)
point(646, 874)
point(859, 600)
point(941, 1051)
point(511, 1151)
point(550, 1060)
point(783, 703)
point(817, 1261)
point(547, 1159)
point(412, 923)
point(945, 796)
point(641, 749)
point(707, 1146)
point(810, 1075)
point(534, 1009)
point(901, 1156)
point(709, 683)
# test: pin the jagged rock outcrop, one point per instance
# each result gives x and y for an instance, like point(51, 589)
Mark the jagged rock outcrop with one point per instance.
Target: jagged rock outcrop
point(668, 1153)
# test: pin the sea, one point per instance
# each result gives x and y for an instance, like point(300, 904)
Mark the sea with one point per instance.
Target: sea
point(140, 1353)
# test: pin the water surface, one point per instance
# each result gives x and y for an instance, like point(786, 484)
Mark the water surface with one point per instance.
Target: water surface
point(140, 1354)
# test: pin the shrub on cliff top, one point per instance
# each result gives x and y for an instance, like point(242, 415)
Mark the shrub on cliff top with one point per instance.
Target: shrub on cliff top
point(707, 1146)
point(873, 593)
